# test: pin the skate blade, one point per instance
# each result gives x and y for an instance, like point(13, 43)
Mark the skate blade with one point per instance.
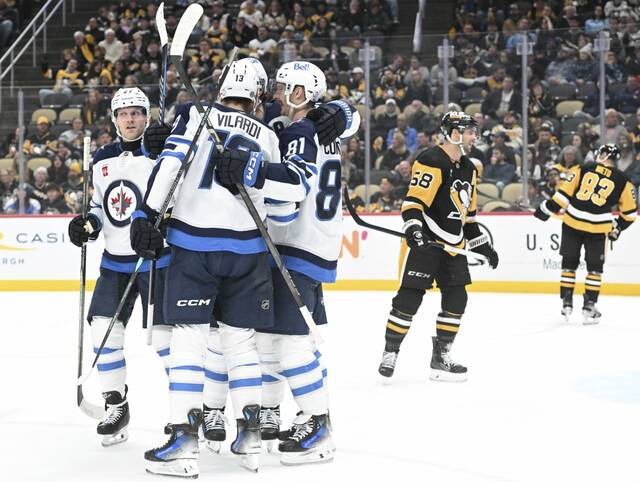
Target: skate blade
point(185, 468)
point(115, 439)
point(270, 445)
point(441, 376)
point(214, 446)
point(590, 321)
point(315, 456)
point(249, 462)
point(566, 313)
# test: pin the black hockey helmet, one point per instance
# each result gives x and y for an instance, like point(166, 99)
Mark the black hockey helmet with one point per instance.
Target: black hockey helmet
point(611, 151)
point(456, 120)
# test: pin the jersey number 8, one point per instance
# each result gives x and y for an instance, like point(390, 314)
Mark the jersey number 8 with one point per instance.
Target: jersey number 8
point(588, 189)
point(421, 179)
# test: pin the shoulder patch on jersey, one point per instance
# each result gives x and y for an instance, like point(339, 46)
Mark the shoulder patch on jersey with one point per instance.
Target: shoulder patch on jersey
point(107, 152)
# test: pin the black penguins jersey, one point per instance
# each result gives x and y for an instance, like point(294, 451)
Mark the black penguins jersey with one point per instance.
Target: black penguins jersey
point(442, 194)
point(590, 194)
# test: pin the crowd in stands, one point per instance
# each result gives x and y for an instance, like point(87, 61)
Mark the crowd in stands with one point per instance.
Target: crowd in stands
point(119, 47)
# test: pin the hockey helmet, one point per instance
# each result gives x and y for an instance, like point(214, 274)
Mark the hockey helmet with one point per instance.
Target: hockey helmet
point(129, 97)
point(609, 151)
point(242, 82)
point(457, 120)
point(263, 78)
point(306, 75)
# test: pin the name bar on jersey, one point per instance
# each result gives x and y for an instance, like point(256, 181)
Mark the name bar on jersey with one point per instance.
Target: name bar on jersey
point(241, 122)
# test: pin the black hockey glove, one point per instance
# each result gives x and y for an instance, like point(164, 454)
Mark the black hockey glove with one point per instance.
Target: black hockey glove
point(330, 121)
point(154, 138)
point(239, 167)
point(146, 240)
point(540, 214)
point(487, 250)
point(78, 233)
point(614, 234)
point(416, 237)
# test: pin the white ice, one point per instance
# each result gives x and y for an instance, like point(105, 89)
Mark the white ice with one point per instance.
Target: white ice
point(545, 400)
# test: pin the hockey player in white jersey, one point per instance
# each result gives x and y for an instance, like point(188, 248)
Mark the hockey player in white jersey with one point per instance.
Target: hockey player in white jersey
point(218, 257)
point(120, 174)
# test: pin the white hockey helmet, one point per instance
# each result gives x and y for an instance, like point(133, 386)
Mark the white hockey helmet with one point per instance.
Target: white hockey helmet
point(129, 97)
point(306, 75)
point(262, 74)
point(242, 82)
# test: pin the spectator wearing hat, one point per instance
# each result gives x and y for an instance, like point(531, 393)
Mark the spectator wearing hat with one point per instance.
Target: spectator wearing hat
point(66, 79)
point(511, 128)
point(387, 120)
point(499, 170)
point(55, 202)
point(559, 70)
point(111, 45)
point(356, 85)
point(389, 87)
point(612, 127)
point(496, 103)
point(40, 179)
point(409, 133)
point(385, 200)
point(37, 143)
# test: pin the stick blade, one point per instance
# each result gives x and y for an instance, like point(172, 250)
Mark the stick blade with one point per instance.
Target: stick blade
point(82, 379)
point(188, 21)
point(162, 25)
point(88, 408)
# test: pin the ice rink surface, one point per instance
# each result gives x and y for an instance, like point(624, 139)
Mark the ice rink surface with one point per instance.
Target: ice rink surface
point(545, 400)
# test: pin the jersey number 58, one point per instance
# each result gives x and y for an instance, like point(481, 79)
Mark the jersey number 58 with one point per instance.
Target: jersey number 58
point(421, 179)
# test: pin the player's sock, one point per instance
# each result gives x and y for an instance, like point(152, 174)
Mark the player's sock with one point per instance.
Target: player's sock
point(112, 367)
point(161, 339)
point(592, 286)
point(447, 326)
point(398, 325)
point(216, 378)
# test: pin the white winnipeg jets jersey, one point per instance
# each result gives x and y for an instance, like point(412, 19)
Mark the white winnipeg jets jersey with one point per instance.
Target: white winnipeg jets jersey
point(119, 183)
point(308, 233)
point(207, 216)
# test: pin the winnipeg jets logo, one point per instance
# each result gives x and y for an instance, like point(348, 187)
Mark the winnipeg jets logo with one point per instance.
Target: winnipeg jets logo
point(120, 203)
point(121, 198)
point(460, 192)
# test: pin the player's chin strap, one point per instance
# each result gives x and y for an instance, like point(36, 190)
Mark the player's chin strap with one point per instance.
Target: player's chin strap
point(459, 143)
point(292, 106)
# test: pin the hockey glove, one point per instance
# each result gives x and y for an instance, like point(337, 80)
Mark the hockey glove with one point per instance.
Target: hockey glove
point(614, 234)
point(487, 250)
point(154, 138)
point(78, 233)
point(540, 214)
point(414, 232)
point(330, 121)
point(239, 167)
point(146, 240)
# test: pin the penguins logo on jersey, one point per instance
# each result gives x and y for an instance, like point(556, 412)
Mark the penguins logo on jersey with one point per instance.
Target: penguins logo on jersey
point(461, 197)
point(121, 198)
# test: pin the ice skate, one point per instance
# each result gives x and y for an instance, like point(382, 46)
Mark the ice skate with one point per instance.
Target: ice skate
point(214, 428)
point(114, 426)
point(590, 313)
point(248, 443)
point(310, 441)
point(567, 308)
point(443, 368)
point(269, 426)
point(179, 456)
point(388, 363)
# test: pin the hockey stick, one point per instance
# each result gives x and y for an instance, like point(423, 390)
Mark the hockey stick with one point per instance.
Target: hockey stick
point(445, 247)
point(164, 42)
point(94, 411)
point(189, 18)
point(176, 59)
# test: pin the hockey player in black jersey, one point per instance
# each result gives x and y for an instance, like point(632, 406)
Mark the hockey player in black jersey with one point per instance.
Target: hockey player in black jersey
point(440, 206)
point(588, 197)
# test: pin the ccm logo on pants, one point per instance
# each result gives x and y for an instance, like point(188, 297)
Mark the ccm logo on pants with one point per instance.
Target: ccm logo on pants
point(418, 274)
point(194, 302)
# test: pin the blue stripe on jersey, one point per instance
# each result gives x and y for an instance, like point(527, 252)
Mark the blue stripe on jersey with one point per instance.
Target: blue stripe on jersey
point(245, 382)
point(218, 377)
point(178, 140)
point(186, 387)
point(284, 219)
point(105, 367)
point(309, 269)
point(268, 200)
point(177, 154)
point(109, 262)
point(298, 392)
point(184, 240)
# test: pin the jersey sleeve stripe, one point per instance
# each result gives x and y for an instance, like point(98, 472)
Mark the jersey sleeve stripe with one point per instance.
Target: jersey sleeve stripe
point(561, 199)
